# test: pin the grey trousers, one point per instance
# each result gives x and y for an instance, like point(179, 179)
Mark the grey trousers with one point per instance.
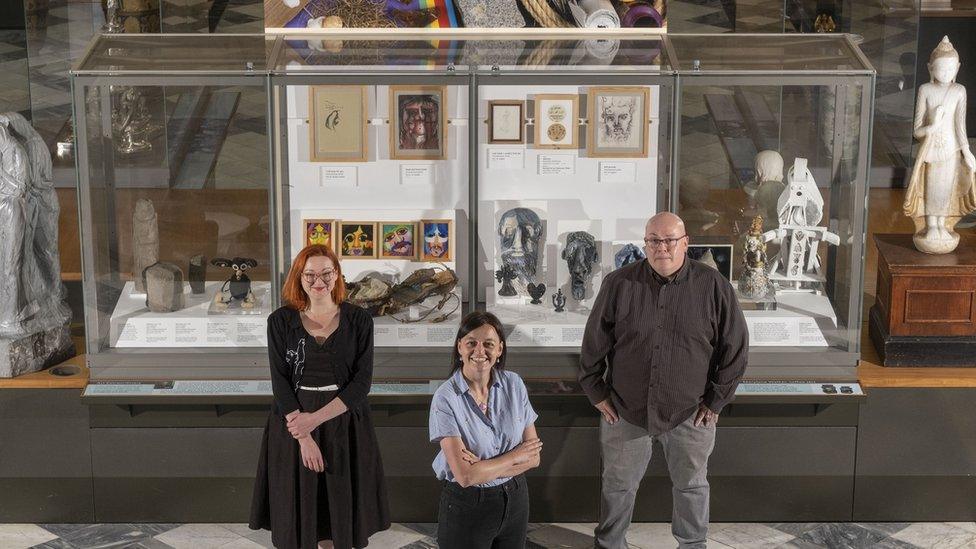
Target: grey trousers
point(626, 451)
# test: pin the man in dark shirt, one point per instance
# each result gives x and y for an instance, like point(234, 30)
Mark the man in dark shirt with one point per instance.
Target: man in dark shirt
point(664, 349)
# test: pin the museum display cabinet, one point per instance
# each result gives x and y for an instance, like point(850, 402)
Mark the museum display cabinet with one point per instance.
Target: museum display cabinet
point(507, 173)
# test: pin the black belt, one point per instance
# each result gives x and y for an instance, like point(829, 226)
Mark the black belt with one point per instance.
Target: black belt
point(515, 483)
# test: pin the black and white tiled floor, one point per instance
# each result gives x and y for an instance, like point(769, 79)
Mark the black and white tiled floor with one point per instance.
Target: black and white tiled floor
point(886, 535)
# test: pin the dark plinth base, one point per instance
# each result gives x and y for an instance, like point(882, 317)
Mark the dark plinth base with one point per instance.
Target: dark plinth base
point(920, 351)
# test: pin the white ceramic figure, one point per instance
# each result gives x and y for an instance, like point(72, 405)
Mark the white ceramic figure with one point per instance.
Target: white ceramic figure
point(942, 187)
point(768, 187)
point(800, 210)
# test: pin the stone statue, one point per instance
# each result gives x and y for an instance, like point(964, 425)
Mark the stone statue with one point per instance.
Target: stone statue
point(580, 253)
point(768, 187)
point(34, 331)
point(520, 233)
point(942, 187)
point(145, 241)
point(754, 282)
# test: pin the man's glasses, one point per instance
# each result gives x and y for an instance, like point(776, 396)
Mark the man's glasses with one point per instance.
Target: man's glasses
point(312, 277)
point(669, 242)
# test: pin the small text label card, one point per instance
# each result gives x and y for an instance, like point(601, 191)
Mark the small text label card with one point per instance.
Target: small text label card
point(506, 159)
point(339, 176)
point(618, 172)
point(416, 174)
point(557, 164)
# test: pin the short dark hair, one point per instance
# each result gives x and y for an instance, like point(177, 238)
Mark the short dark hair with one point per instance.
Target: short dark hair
point(471, 322)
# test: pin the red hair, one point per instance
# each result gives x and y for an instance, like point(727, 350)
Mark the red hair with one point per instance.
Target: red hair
point(293, 294)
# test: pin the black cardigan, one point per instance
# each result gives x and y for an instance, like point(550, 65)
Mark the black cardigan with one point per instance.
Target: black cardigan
point(353, 346)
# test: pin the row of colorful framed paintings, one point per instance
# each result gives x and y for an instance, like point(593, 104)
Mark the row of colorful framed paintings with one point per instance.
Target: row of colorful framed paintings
point(617, 124)
point(424, 240)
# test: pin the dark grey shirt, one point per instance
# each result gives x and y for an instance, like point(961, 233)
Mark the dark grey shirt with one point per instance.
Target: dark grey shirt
point(658, 347)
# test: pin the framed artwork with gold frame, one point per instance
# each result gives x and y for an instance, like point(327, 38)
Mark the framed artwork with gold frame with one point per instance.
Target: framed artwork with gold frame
point(438, 240)
point(337, 123)
point(356, 240)
point(617, 122)
point(418, 122)
point(319, 231)
point(397, 240)
point(556, 121)
point(506, 122)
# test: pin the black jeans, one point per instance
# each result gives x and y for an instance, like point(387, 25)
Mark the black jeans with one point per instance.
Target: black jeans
point(483, 518)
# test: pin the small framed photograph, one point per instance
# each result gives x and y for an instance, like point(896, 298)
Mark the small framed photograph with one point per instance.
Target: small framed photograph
point(556, 121)
point(418, 122)
point(337, 122)
point(319, 231)
point(506, 122)
point(717, 256)
point(398, 240)
point(438, 235)
point(357, 240)
point(617, 122)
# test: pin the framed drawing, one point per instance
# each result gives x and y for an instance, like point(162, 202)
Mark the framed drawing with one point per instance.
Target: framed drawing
point(399, 239)
point(357, 240)
point(718, 256)
point(319, 231)
point(506, 122)
point(418, 122)
point(617, 122)
point(438, 237)
point(337, 122)
point(556, 121)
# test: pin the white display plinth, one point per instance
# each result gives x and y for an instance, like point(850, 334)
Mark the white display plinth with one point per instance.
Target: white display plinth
point(389, 332)
point(540, 325)
point(134, 325)
point(801, 319)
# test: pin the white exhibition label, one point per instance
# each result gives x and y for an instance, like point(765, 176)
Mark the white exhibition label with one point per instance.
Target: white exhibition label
point(557, 164)
point(416, 174)
point(228, 331)
point(506, 159)
point(336, 176)
point(618, 172)
point(772, 331)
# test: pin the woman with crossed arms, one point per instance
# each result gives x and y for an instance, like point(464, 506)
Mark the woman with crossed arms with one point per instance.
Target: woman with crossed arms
point(485, 425)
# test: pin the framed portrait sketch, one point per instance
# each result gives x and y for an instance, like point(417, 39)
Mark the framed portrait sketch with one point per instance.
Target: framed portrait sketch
point(438, 244)
point(418, 122)
point(506, 122)
point(337, 122)
point(717, 256)
point(319, 231)
point(398, 240)
point(556, 121)
point(357, 240)
point(617, 122)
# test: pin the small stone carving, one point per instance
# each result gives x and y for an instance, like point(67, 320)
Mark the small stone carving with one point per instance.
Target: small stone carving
point(559, 300)
point(164, 287)
point(145, 240)
point(942, 187)
point(754, 282)
point(536, 291)
point(506, 274)
point(627, 255)
point(197, 274)
point(580, 253)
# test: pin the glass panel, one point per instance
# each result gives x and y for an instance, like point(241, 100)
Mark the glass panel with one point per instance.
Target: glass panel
point(563, 204)
point(379, 172)
point(765, 53)
point(303, 54)
point(744, 149)
point(177, 197)
point(178, 53)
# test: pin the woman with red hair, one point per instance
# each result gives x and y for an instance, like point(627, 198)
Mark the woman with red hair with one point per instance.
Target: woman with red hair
point(320, 479)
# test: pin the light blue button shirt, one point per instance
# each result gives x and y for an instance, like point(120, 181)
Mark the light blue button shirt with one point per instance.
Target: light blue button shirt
point(454, 413)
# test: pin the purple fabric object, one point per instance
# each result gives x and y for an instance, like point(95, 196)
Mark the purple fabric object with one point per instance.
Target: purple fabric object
point(641, 15)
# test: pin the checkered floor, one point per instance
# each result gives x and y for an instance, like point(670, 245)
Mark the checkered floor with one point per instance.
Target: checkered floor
point(570, 536)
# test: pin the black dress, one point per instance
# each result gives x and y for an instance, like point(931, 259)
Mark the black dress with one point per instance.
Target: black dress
point(347, 503)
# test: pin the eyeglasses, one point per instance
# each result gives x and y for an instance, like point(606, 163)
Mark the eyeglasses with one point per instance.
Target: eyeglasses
point(669, 242)
point(312, 277)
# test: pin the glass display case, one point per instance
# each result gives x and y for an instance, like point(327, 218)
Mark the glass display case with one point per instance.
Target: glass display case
point(507, 173)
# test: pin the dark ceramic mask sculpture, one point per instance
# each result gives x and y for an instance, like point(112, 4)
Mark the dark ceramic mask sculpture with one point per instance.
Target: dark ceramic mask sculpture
point(580, 254)
point(520, 235)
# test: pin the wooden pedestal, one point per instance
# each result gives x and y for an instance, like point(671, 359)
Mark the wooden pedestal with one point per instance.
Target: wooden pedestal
point(925, 313)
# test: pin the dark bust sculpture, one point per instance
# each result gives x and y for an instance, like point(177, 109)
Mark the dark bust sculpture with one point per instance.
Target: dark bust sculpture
point(580, 253)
